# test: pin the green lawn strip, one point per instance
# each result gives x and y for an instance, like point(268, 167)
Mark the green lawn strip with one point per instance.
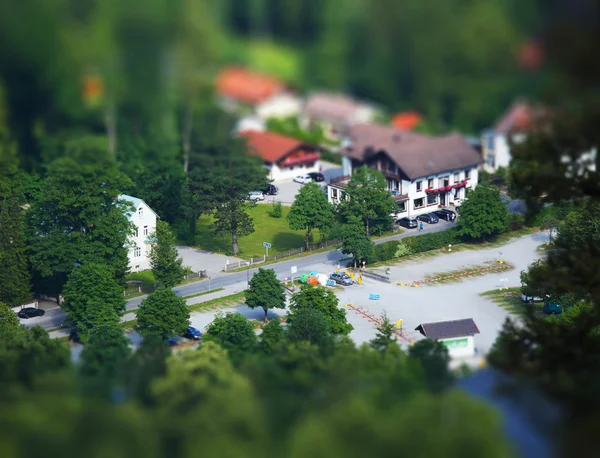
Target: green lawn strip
point(267, 229)
point(131, 324)
point(204, 292)
point(222, 302)
point(510, 300)
point(458, 275)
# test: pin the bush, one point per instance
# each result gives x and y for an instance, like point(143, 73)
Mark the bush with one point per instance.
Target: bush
point(277, 210)
point(515, 222)
point(557, 212)
point(415, 244)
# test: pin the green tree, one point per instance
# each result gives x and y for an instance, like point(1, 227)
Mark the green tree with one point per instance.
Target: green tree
point(92, 297)
point(434, 359)
point(368, 200)
point(265, 291)
point(272, 336)
point(385, 335)
point(76, 219)
point(15, 280)
point(167, 266)
point(147, 364)
point(355, 242)
point(163, 313)
point(325, 302)
point(234, 332)
point(309, 325)
point(310, 210)
point(104, 358)
point(484, 213)
point(8, 319)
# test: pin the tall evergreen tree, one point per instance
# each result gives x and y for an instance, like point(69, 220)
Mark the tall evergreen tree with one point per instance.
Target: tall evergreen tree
point(164, 258)
point(265, 291)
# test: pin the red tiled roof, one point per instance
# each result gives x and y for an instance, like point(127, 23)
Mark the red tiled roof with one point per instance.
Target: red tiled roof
point(268, 145)
point(246, 85)
point(407, 120)
point(518, 118)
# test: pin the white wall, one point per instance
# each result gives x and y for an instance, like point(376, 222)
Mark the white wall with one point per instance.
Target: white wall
point(276, 173)
point(279, 106)
point(459, 349)
point(331, 190)
point(146, 220)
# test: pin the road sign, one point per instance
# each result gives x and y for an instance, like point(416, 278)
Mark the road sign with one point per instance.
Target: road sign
point(266, 244)
point(294, 269)
point(399, 323)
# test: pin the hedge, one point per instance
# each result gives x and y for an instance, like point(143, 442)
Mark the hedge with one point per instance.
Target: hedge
point(417, 243)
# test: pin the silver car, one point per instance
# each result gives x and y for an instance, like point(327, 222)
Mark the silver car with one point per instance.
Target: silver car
point(256, 195)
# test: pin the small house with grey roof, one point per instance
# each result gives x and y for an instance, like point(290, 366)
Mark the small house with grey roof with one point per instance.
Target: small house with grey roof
point(143, 219)
point(456, 335)
point(422, 172)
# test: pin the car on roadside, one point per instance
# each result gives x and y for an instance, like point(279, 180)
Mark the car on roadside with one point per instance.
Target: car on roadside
point(30, 312)
point(531, 299)
point(271, 190)
point(341, 278)
point(174, 341)
point(192, 333)
point(316, 176)
point(447, 215)
point(256, 196)
point(409, 223)
point(551, 308)
point(303, 179)
point(429, 218)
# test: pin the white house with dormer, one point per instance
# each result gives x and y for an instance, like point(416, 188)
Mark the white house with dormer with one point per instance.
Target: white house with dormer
point(144, 225)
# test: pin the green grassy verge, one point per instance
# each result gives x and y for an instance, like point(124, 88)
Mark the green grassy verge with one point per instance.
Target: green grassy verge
point(222, 302)
point(128, 324)
point(216, 290)
point(510, 299)
point(267, 229)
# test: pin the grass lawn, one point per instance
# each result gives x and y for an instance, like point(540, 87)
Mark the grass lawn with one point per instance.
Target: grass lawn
point(267, 229)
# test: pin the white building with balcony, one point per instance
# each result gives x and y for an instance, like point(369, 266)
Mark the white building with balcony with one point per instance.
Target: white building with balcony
point(422, 172)
point(144, 222)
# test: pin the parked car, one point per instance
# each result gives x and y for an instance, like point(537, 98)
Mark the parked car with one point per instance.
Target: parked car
point(303, 179)
point(550, 308)
point(316, 176)
point(174, 341)
point(407, 222)
point(341, 278)
point(271, 190)
point(192, 333)
point(429, 218)
point(444, 214)
point(256, 195)
point(30, 312)
point(529, 299)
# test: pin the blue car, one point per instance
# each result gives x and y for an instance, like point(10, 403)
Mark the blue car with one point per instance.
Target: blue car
point(192, 334)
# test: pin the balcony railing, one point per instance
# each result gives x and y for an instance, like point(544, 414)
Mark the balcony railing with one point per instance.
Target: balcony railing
point(340, 180)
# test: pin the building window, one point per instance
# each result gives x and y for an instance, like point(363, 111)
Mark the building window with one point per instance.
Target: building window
point(136, 232)
point(419, 185)
point(456, 177)
point(145, 230)
point(432, 199)
point(137, 252)
point(430, 183)
point(334, 193)
point(418, 203)
point(491, 162)
point(467, 174)
point(490, 142)
point(402, 206)
point(140, 212)
point(446, 181)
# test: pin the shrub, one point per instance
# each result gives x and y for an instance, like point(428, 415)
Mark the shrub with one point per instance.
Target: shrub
point(515, 222)
point(277, 211)
point(402, 249)
point(557, 212)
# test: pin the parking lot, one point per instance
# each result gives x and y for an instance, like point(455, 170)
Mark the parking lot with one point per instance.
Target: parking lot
point(288, 188)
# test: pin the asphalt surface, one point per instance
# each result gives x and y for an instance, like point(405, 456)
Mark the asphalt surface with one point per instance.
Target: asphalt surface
point(54, 318)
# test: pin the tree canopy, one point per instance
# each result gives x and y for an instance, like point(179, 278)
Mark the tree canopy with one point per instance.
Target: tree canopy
point(163, 313)
point(167, 266)
point(483, 214)
point(265, 291)
point(323, 301)
point(311, 210)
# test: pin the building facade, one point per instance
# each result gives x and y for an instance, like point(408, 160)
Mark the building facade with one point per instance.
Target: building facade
point(144, 223)
point(422, 173)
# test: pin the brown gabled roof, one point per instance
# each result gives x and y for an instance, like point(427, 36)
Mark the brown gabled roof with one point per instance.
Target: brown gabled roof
point(270, 146)
point(330, 106)
point(416, 155)
point(519, 118)
point(448, 329)
point(246, 85)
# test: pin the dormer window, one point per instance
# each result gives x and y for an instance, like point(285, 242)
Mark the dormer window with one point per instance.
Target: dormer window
point(140, 212)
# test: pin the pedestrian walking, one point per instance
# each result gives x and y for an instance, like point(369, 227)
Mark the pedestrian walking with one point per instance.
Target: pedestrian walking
point(421, 226)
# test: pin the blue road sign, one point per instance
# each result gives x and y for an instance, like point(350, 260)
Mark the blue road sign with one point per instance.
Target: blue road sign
point(266, 244)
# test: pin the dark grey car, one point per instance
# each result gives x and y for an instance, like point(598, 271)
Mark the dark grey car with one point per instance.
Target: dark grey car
point(407, 222)
point(341, 278)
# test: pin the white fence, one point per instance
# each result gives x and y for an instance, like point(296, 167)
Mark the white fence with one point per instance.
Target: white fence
point(31, 304)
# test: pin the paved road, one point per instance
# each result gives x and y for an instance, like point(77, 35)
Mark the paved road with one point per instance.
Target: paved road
point(53, 318)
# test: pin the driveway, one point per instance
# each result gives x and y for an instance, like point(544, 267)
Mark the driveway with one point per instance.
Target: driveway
point(204, 260)
point(288, 189)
